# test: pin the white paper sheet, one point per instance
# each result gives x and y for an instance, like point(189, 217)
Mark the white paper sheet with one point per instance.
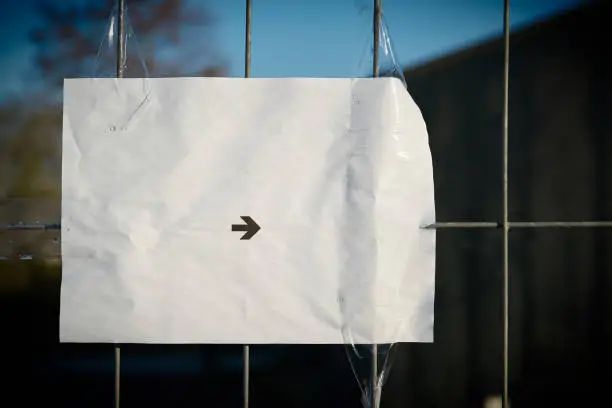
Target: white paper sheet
point(336, 172)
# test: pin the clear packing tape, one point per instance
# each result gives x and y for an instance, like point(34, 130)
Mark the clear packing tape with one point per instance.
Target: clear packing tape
point(120, 56)
point(370, 363)
point(120, 33)
point(388, 65)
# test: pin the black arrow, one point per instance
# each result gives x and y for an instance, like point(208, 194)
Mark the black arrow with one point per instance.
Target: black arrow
point(250, 227)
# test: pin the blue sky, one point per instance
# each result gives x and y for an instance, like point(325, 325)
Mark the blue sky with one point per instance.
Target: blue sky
point(311, 38)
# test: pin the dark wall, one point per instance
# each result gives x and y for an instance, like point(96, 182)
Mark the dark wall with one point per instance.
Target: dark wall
point(560, 126)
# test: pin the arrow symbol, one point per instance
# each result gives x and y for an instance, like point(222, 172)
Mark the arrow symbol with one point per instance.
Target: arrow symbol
point(250, 227)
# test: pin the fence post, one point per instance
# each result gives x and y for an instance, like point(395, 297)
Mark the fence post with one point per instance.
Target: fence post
point(246, 357)
point(506, 224)
point(120, 72)
point(374, 383)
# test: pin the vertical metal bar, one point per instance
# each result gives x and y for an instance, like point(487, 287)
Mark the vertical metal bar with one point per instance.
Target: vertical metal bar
point(245, 375)
point(376, 43)
point(247, 40)
point(506, 224)
point(246, 352)
point(120, 72)
point(374, 389)
point(374, 378)
point(120, 38)
point(117, 374)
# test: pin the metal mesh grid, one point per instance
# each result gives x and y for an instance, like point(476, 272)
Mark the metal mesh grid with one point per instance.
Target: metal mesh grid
point(504, 225)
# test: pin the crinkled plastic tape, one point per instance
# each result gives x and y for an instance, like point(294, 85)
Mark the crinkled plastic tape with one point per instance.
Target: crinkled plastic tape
point(106, 64)
point(371, 363)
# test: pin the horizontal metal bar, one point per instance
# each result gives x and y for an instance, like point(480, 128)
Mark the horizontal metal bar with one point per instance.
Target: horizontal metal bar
point(521, 224)
point(437, 225)
point(47, 227)
point(29, 227)
point(28, 257)
point(561, 224)
point(460, 224)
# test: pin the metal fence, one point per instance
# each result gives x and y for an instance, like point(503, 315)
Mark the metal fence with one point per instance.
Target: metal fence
point(505, 225)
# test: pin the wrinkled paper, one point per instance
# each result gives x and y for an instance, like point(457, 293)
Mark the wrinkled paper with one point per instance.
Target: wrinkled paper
point(336, 172)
